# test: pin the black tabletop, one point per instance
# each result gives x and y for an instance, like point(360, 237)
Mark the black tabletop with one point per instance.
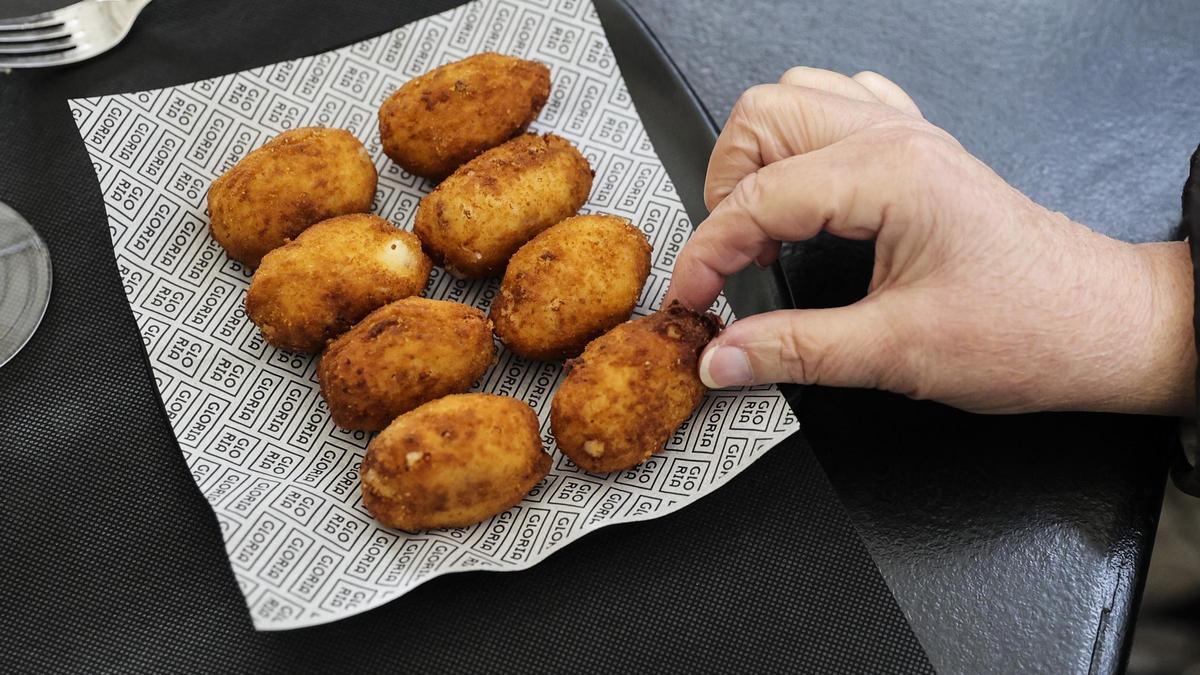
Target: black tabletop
point(1017, 543)
point(1012, 543)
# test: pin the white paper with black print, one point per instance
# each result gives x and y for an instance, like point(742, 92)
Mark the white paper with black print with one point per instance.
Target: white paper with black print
point(282, 479)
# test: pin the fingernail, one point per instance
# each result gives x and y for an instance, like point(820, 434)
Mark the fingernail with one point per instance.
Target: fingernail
point(725, 367)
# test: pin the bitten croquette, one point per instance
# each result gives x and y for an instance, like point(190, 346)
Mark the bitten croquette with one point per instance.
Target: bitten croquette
point(317, 286)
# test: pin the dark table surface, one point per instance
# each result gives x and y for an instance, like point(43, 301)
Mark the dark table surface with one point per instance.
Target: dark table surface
point(1013, 543)
point(1010, 543)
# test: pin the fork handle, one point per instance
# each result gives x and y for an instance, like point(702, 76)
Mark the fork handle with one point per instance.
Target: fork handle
point(136, 5)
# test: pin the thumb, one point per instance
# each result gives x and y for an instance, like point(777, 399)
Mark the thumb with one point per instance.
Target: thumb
point(850, 346)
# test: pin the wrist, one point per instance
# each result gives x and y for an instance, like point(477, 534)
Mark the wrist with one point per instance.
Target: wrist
point(1168, 374)
point(1128, 347)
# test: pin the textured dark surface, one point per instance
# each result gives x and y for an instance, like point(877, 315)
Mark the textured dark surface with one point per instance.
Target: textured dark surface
point(112, 561)
point(1087, 106)
point(1013, 543)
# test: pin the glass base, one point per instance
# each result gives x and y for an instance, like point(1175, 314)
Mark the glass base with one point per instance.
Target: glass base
point(24, 282)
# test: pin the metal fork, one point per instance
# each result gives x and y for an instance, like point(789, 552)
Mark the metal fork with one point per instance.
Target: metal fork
point(73, 33)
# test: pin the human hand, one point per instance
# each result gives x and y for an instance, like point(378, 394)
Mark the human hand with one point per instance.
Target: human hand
point(979, 298)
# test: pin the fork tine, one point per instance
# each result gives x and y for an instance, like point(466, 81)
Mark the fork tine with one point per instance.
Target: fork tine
point(46, 47)
point(43, 20)
point(35, 35)
point(43, 60)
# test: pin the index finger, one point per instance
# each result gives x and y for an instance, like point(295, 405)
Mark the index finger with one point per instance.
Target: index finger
point(852, 190)
point(771, 122)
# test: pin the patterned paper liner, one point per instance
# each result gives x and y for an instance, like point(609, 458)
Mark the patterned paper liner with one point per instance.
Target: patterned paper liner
point(282, 480)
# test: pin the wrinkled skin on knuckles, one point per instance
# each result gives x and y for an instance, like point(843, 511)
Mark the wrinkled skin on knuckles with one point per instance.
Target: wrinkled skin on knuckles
point(298, 178)
point(476, 219)
point(401, 356)
point(569, 284)
point(317, 286)
point(453, 462)
point(436, 122)
point(632, 387)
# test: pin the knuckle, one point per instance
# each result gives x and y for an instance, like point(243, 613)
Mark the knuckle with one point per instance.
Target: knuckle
point(752, 101)
point(749, 190)
point(708, 251)
point(918, 151)
point(891, 371)
point(795, 73)
point(799, 356)
point(741, 138)
point(713, 195)
point(747, 197)
point(898, 364)
point(919, 148)
point(868, 77)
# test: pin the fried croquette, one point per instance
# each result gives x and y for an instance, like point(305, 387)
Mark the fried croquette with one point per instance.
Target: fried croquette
point(436, 122)
point(403, 354)
point(298, 178)
point(569, 284)
point(479, 216)
point(317, 286)
point(632, 387)
point(453, 462)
